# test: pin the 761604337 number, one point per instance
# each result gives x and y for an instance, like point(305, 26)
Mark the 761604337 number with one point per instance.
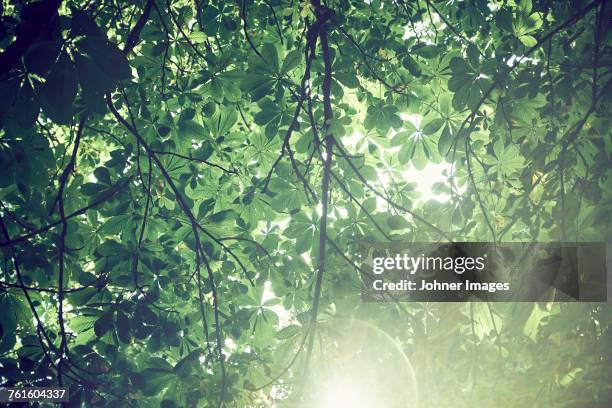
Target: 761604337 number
point(29, 394)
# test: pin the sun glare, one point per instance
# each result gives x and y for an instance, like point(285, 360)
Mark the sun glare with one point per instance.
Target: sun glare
point(353, 358)
point(346, 394)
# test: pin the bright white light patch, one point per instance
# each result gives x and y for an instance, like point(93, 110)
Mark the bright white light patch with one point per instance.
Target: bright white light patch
point(425, 179)
point(359, 366)
point(284, 315)
point(346, 394)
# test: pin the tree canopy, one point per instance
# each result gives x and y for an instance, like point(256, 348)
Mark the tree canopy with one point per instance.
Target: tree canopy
point(184, 187)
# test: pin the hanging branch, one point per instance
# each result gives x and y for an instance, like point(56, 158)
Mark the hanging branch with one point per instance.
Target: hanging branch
point(189, 158)
point(562, 179)
point(200, 256)
point(356, 201)
point(394, 88)
point(47, 290)
point(63, 179)
point(62, 248)
point(286, 368)
point(134, 35)
point(219, 242)
point(40, 16)
point(143, 226)
point(311, 41)
point(245, 28)
point(146, 187)
point(105, 197)
point(362, 271)
point(178, 26)
point(348, 157)
point(40, 329)
point(568, 139)
point(601, 13)
point(478, 197)
point(323, 14)
point(450, 26)
point(342, 185)
point(278, 28)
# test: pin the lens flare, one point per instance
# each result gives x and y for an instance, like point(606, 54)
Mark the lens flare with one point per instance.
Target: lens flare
point(358, 365)
point(345, 394)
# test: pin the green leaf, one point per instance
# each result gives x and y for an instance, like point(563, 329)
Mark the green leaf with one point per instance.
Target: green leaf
point(427, 51)
point(258, 85)
point(411, 65)
point(397, 222)
point(270, 56)
point(269, 111)
point(27, 106)
point(433, 126)
point(92, 188)
point(445, 141)
point(222, 121)
point(8, 323)
point(460, 97)
point(292, 60)
point(153, 380)
point(528, 41)
point(473, 54)
point(92, 79)
point(107, 56)
point(198, 37)
point(347, 79)
point(460, 66)
point(103, 324)
point(41, 56)
point(210, 20)
point(221, 216)
point(406, 153)
point(204, 152)
point(525, 6)
point(289, 332)
point(9, 89)
point(369, 204)
point(123, 328)
point(191, 129)
point(420, 157)
point(474, 96)
point(59, 90)
point(231, 91)
point(103, 175)
point(186, 114)
point(83, 24)
point(503, 18)
point(382, 117)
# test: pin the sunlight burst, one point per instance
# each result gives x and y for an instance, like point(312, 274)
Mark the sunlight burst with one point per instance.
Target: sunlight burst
point(346, 394)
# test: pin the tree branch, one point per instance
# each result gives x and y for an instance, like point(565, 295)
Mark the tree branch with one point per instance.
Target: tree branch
point(194, 226)
point(134, 35)
point(322, 15)
point(62, 247)
point(100, 200)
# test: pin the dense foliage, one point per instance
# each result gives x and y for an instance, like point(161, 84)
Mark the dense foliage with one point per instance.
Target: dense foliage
point(184, 187)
